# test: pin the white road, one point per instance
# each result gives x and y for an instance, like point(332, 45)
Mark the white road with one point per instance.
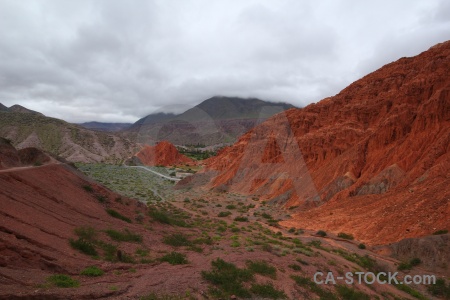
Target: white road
point(159, 174)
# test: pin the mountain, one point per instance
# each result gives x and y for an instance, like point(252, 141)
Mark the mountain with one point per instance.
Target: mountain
point(214, 121)
point(72, 142)
point(18, 109)
point(163, 154)
point(372, 160)
point(99, 126)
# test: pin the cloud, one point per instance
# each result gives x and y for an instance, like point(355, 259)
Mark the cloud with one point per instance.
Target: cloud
point(112, 60)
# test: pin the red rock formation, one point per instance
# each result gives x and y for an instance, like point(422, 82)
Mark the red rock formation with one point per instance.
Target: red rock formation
point(164, 154)
point(377, 153)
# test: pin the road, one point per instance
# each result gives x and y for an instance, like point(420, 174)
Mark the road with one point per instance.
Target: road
point(159, 174)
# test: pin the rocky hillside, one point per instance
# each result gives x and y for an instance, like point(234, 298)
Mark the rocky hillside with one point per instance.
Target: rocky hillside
point(214, 121)
point(66, 140)
point(372, 160)
point(163, 154)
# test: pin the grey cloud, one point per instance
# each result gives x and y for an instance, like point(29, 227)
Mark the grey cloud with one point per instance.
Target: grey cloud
point(113, 60)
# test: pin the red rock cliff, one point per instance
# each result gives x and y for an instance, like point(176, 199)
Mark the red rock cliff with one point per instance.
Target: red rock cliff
point(372, 160)
point(164, 154)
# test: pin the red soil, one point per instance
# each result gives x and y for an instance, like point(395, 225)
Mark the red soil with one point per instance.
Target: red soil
point(372, 160)
point(163, 154)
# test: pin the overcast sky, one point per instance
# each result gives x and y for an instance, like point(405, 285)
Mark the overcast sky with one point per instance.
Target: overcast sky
point(117, 61)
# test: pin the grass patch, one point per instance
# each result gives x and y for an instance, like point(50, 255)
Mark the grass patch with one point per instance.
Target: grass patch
point(441, 231)
point(86, 232)
point(84, 246)
point(124, 236)
point(363, 261)
point(117, 215)
point(241, 219)
point(321, 233)
point(165, 218)
point(440, 289)
point(175, 258)
point(224, 214)
point(177, 240)
point(345, 236)
point(88, 188)
point(63, 281)
point(92, 271)
point(262, 268)
point(313, 287)
point(348, 293)
point(409, 265)
point(295, 267)
point(230, 206)
point(267, 291)
point(228, 279)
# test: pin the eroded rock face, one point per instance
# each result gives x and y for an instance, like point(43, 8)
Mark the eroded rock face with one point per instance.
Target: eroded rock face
point(163, 154)
point(386, 136)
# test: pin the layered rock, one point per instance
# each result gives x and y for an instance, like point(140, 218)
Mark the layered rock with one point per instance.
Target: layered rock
point(163, 154)
point(378, 149)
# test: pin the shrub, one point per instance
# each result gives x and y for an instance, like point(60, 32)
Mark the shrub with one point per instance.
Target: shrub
point(291, 230)
point(348, 293)
point(440, 289)
point(88, 188)
point(230, 206)
point(346, 236)
point(228, 278)
point(316, 289)
point(86, 232)
point(442, 231)
point(267, 291)
point(174, 258)
point(83, 246)
point(295, 267)
point(92, 271)
point(63, 281)
point(409, 265)
point(321, 233)
point(362, 246)
point(124, 236)
point(177, 240)
point(117, 215)
point(224, 214)
point(261, 267)
point(241, 219)
point(266, 215)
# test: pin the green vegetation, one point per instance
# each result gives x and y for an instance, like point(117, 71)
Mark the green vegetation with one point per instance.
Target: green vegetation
point(267, 291)
point(409, 265)
point(241, 219)
point(174, 258)
point(177, 240)
point(88, 188)
point(346, 236)
point(409, 290)
point(313, 287)
point(262, 268)
point(92, 271)
point(441, 231)
point(228, 279)
point(230, 206)
point(117, 215)
point(63, 281)
point(348, 293)
point(224, 214)
point(440, 289)
point(295, 267)
point(84, 246)
point(362, 246)
point(163, 216)
point(124, 236)
point(154, 296)
point(363, 261)
point(321, 233)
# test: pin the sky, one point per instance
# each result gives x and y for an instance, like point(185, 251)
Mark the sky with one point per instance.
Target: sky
point(117, 61)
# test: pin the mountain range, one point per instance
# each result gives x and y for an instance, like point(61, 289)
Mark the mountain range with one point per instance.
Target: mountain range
point(218, 120)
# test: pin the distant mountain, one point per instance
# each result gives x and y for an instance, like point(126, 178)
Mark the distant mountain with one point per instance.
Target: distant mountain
point(70, 141)
point(18, 109)
point(110, 127)
point(218, 120)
